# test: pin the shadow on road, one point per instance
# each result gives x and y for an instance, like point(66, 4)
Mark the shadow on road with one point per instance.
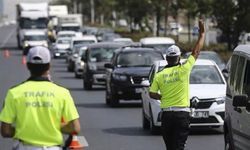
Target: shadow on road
point(128, 131)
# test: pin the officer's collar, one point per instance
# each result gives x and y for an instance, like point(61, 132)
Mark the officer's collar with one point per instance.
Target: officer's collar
point(168, 66)
point(38, 78)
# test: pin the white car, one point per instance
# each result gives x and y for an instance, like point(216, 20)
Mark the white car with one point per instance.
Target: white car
point(79, 63)
point(123, 40)
point(35, 38)
point(61, 46)
point(161, 43)
point(76, 43)
point(66, 34)
point(207, 84)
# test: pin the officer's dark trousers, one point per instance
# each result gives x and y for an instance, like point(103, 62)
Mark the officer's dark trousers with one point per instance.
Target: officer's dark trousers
point(175, 129)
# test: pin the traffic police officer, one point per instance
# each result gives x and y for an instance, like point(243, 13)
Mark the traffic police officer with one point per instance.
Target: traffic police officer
point(171, 86)
point(33, 110)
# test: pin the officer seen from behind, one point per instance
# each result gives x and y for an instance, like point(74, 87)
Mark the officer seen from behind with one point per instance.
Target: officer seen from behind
point(33, 110)
point(171, 86)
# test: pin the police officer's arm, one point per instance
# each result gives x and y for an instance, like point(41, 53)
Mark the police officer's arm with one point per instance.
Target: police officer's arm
point(71, 127)
point(200, 41)
point(7, 130)
point(155, 96)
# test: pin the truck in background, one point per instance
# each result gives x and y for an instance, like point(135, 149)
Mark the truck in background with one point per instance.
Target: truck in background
point(55, 11)
point(31, 16)
point(70, 22)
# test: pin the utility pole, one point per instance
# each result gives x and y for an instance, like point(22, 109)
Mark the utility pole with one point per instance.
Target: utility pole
point(92, 9)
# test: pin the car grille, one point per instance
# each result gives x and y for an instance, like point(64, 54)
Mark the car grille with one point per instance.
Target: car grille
point(211, 119)
point(204, 104)
point(137, 79)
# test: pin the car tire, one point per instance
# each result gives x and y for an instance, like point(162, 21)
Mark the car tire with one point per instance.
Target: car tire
point(145, 121)
point(107, 97)
point(114, 101)
point(87, 85)
point(77, 76)
point(153, 129)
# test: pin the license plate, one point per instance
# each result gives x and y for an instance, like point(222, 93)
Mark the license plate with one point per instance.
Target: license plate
point(138, 90)
point(201, 114)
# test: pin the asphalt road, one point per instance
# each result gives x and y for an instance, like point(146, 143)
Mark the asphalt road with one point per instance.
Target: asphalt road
point(104, 128)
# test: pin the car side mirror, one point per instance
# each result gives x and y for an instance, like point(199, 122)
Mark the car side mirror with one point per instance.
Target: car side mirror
point(109, 65)
point(240, 101)
point(225, 73)
point(145, 83)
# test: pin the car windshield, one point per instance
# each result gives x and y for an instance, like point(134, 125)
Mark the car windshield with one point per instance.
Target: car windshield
point(137, 59)
point(205, 74)
point(161, 47)
point(66, 35)
point(83, 42)
point(63, 41)
point(101, 54)
point(35, 38)
point(77, 29)
point(27, 23)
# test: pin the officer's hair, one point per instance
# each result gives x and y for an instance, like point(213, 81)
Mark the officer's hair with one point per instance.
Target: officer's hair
point(172, 60)
point(38, 69)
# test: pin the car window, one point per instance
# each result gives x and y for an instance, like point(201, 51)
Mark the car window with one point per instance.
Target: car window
point(83, 42)
point(151, 74)
point(246, 82)
point(35, 38)
point(205, 74)
point(234, 61)
point(161, 47)
point(63, 41)
point(238, 75)
point(101, 54)
point(138, 59)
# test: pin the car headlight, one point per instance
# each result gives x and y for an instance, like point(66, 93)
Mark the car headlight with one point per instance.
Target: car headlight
point(220, 100)
point(119, 77)
point(82, 63)
point(26, 44)
point(92, 67)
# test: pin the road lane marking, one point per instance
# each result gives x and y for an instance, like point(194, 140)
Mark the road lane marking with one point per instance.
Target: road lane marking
point(83, 141)
point(7, 39)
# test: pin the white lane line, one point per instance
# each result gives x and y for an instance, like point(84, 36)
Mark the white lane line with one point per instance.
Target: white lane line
point(83, 141)
point(8, 37)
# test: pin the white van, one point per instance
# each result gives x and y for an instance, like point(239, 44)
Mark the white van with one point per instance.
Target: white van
point(161, 43)
point(35, 38)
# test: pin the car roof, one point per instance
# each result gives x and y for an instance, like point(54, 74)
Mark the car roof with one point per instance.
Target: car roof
point(245, 49)
point(198, 62)
point(157, 40)
point(105, 44)
point(66, 32)
point(85, 37)
point(34, 32)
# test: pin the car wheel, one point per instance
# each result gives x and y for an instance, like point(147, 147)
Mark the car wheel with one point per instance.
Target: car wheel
point(114, 101)
point(107, 97)
point(153, 129)
point(87, 85)
point(145, 121)
point(77, 76)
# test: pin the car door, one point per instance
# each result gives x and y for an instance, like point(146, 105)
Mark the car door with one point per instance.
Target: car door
point(145, 92)
point(236, 88)
point(244, 118)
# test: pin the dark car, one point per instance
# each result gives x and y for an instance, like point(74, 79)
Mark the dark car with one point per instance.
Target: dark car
point(237, 104)
point(128, 68)
point(94, 59)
